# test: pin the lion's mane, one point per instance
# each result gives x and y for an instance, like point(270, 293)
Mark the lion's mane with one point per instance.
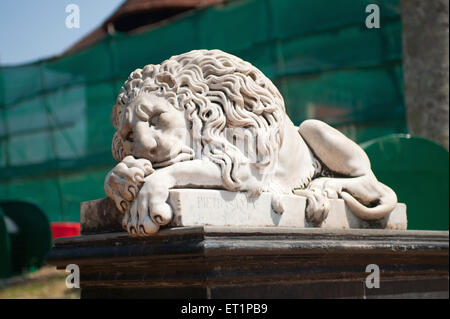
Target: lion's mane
point(217, 91)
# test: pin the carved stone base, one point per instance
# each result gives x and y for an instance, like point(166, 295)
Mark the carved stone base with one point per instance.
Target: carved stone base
point(197, 207)
point(269, 262)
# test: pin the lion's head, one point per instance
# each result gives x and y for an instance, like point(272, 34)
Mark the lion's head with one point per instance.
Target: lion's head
point(203, 101)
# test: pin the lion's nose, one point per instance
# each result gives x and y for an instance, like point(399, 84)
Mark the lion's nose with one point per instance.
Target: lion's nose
point(150, 144)
point(144, 147)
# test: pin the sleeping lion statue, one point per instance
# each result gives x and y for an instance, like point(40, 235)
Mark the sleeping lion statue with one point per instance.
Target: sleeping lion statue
point(208, 119)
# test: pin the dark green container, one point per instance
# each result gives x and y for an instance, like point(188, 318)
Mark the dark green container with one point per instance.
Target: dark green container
point(5, 249)
point(417, 170)
point(31, 240)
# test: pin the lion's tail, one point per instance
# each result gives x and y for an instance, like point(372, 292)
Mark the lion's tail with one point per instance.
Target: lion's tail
point(387, 203)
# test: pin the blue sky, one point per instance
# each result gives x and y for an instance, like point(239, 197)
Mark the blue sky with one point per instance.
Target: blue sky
point(34, 29)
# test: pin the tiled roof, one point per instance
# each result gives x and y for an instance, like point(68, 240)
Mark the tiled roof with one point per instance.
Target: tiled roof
point(137, 16)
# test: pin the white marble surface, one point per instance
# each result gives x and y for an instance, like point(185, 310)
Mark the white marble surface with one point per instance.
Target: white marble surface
point(196, 207)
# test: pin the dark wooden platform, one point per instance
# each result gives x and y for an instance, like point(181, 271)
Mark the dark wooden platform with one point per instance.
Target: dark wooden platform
point(272, 262)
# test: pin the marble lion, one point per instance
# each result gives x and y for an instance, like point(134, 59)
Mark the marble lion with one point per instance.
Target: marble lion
point(186, 123)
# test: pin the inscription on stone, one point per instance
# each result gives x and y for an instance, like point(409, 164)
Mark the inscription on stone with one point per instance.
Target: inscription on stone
point(208, 202)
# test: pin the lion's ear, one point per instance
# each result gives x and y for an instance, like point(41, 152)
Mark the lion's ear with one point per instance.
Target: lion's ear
point(168, 78)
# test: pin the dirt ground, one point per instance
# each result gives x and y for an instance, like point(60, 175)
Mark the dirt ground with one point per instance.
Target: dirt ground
point(46, 283)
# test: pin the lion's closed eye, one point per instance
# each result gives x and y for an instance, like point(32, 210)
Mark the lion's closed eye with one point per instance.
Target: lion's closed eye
point(158, 119)
point(154, 120)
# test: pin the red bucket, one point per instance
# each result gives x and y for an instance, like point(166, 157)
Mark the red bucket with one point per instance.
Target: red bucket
point(65, 229)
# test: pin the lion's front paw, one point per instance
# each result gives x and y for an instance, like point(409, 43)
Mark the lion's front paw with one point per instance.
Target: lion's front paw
point(138, 221)
point(123, 182)
point(317, 204)
point(149, 210)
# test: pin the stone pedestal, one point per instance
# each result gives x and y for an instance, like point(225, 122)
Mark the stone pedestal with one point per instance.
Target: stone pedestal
point(263, 262)
point(198, 207)
point(224, 245)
